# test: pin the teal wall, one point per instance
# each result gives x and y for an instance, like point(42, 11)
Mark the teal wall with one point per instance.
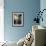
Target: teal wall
point(29, 7)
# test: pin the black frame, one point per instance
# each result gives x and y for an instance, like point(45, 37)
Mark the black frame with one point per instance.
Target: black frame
point(22, 19)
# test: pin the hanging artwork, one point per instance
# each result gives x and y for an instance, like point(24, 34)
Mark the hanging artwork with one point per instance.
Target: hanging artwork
point(17, 19)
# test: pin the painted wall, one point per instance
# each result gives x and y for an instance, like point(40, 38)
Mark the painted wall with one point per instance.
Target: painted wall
point(29, 7)
point(43, 6)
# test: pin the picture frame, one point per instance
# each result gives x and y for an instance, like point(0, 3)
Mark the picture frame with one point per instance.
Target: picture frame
point(17, 19)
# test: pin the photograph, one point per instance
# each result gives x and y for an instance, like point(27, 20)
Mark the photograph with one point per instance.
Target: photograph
point(18, 18)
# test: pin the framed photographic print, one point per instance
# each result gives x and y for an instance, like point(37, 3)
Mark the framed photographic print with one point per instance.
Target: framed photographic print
point(17, 19)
